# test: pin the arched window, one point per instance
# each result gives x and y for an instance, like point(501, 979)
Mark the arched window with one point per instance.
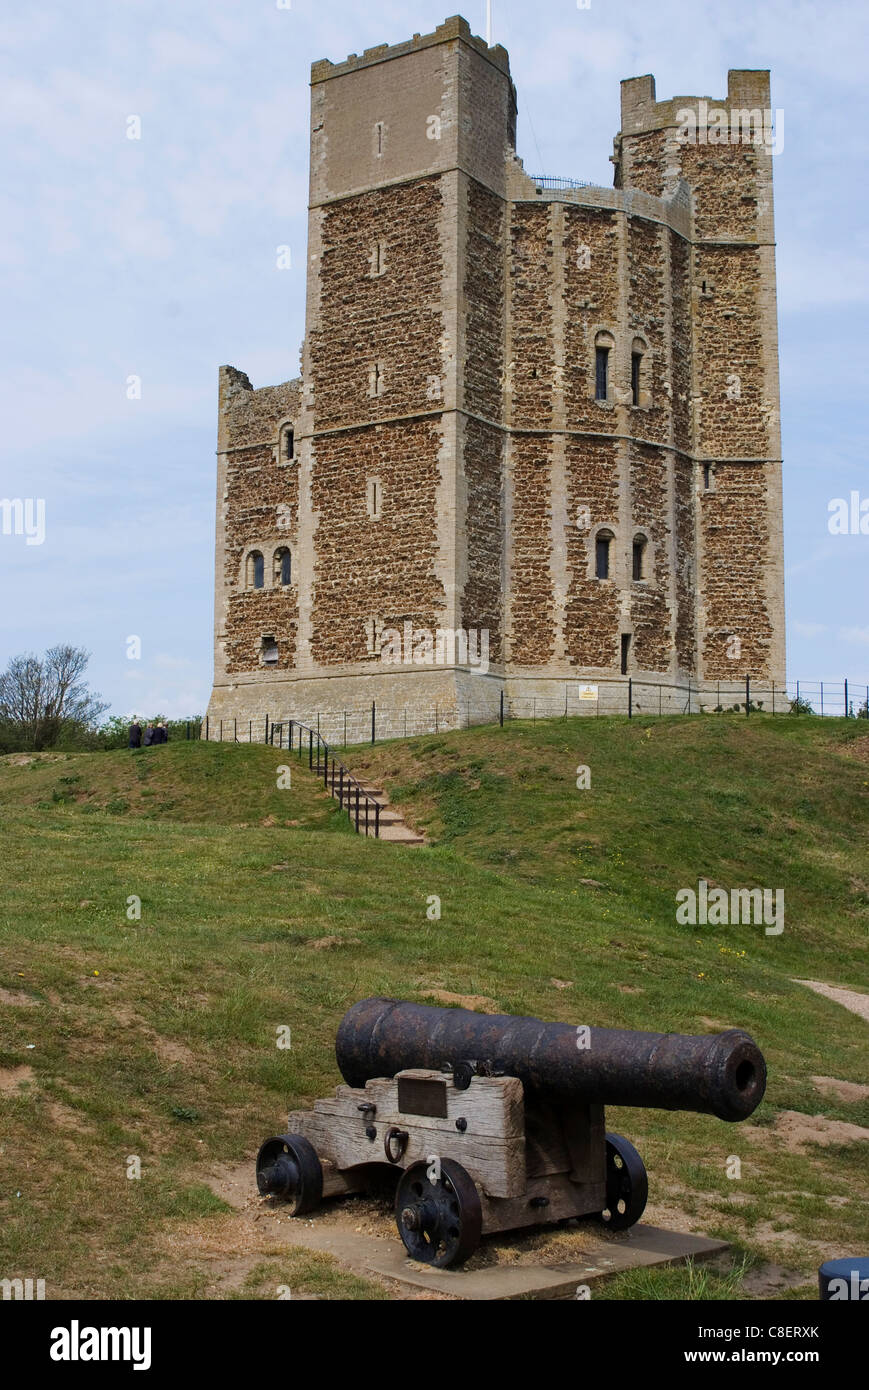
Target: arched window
point(288, 443)
point(283, 566)
point(639, 557)
point(256, 570)
point(602, 554)
point(603, 345)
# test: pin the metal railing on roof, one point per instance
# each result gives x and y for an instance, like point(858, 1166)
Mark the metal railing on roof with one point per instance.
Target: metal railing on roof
point(550, 181)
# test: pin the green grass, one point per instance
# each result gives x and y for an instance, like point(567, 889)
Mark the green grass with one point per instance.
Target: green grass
point(157, 1037)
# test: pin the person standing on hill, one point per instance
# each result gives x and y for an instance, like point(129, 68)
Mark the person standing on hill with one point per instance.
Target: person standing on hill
point(151, 736)
point(163, 731)
point(135, 734)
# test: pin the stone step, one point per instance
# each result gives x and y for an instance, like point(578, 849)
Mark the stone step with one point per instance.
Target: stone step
point(401, 835)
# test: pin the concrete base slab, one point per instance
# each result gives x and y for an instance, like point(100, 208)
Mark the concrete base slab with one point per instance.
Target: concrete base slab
point(637, 1248)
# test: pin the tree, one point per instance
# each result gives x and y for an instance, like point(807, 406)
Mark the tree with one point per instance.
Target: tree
point(44, 700)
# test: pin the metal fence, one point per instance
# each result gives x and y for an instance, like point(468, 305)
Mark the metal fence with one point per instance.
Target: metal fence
point(632, 698)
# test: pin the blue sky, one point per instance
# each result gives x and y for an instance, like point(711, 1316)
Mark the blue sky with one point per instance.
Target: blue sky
point(156, 258)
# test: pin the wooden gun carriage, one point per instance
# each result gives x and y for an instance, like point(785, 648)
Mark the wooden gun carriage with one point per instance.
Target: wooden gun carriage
point(496, 1122)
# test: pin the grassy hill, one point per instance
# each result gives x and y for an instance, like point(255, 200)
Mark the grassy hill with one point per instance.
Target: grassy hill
point(156, 1037)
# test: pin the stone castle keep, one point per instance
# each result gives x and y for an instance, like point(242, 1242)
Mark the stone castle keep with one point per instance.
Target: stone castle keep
point(528, 408)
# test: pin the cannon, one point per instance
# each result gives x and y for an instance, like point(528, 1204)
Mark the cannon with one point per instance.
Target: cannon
point(491, 1122)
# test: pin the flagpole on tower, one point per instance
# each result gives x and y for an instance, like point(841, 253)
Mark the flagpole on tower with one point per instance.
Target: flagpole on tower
point(489, 22)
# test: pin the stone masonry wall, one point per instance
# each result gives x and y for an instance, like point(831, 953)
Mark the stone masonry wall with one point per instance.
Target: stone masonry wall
point(260, 506)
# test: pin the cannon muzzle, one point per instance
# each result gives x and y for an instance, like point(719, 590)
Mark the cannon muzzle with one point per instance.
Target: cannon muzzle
point(721, 1074)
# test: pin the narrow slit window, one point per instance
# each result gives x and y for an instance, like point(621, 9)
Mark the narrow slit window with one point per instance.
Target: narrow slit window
point(602, 556)
point(269, 651)
point(636, 366)
point(378, 138)
point(288, 443)
point(375, 498)
point(707, 476)
point(626, 652)
point(639, 570)
point(601, 373)
point(373, 630)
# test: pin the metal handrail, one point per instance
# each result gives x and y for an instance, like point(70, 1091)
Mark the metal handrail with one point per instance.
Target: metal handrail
point(329, 767)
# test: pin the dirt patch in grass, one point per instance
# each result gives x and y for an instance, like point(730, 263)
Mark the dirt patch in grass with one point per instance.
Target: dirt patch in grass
point(859, 749)
point(478, 1002)
point(17, 999)
point(13, 1078)
point(842, 1090)
point(795, 1130)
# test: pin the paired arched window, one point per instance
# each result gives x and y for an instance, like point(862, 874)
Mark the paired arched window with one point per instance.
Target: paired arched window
point(283, 566)
point(255, 575)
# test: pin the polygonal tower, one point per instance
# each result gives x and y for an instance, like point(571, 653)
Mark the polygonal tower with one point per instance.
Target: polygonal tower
point(537, 420)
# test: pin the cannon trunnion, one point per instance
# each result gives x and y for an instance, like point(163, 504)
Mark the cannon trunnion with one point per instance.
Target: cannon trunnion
point(486, 1129)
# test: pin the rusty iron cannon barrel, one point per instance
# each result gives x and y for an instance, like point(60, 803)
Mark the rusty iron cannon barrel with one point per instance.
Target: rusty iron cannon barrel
point(721, 1074)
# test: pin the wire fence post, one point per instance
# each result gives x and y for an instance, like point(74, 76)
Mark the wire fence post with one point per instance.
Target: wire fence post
point(373, 722)
point(846, 697)
point(747, 696)
point(822, 697)
point(501, 707)
point(630, 697)
point(310, 748)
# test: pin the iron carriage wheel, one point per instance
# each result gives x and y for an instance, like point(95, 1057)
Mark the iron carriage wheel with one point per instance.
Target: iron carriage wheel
point(288, 1167)
point(627, 1184)
point(440, 1222)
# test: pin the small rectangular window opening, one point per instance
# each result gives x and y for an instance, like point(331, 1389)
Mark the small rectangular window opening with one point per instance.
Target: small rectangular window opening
point(636, 362)
point(601, 372)
point(269, 651)
point(602, 557)
point(378, 129)
point(639, 560)
point(626, 651)
point(707, 476)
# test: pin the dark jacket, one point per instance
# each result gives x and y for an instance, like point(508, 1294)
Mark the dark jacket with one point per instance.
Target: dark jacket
point(135, 735)
point(151, 736)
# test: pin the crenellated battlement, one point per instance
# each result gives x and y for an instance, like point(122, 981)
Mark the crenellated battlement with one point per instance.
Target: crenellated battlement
point(451, 30)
